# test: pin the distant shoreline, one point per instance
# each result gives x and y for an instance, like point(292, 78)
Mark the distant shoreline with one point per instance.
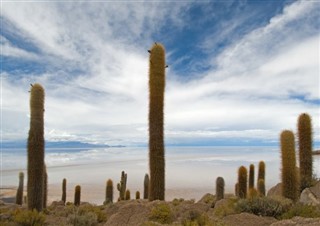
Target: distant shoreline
point(317, 152)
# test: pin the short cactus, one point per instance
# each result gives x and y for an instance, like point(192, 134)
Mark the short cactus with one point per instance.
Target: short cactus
point(137, 195)
point(251, 176)
point(261, 187)
point(261, 171)
point(128, 197)
point(19, 196)
point(122, 185)
point(77, 195)
point(305, 150)
point(35, 183)
point(109, 192)
point(289, 172)
point(242, 180)
point(219, 188)
point(64, 190)
point(146, 187)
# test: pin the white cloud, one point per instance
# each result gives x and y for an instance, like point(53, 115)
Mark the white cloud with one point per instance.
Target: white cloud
point(248, 96)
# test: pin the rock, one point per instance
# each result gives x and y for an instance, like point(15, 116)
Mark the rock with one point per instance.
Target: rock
point(246, 219)
point(2, 202)
point(275, 190)
point(207, 198)
point(132, 213)
point(11, 199)
point(221, 202)
point(316, 190)
point(190, 211)
point(298, 221)
point(307, 197)
point(57, 203)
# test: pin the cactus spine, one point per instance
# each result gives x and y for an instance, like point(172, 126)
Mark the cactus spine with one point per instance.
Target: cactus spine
point(137, 195)
point(19, 195)
point(77, 195)
point(242, 180)
point(305, 150)
point(219, 188)
point(122, 186)
point(251, 176)
point(156, 137)
point(64, 190)
point(146, 187)
point(35, 184)
point(261, 187)
point(128, 197)
point(109, 192)
point(289, 173)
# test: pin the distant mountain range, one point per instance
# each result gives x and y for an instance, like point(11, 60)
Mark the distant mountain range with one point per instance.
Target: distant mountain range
point(57, 144)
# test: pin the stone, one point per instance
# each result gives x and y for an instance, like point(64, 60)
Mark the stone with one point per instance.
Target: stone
point(307, 197)
point(246, 219)
point(275, 190)
point(298, 221)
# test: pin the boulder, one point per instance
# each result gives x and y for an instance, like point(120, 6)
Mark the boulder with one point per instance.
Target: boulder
point(298, 221)
point(245, 219)
point(308, 197)
point(207, 198)
point(275, 190)
point(316, 190)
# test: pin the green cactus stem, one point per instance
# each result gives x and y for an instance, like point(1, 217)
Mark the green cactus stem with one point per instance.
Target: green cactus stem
point(242, 180)
point(146, 187)
point(156, 122)
point(128, 197)
point(137, 195)
point(64, 190)
point(109, 192)
point(45, 187)
point(219, 188)
point(122, 186)
point(77, 195)
point(261, 187)
point(35, 183)
point(19, 195)
point(251, 176)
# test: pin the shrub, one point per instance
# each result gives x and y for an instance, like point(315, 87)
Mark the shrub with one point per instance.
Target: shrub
point(302, 210)
point(263, 206)
point(87, 219)
point(201, 220)
point(29, 218)
point(161, 213)
point(227, 208)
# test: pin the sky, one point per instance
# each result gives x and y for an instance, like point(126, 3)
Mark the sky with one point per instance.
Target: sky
point(239, 72)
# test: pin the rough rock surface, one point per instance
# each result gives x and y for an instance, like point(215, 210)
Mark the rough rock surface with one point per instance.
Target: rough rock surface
point(298, 221)
point(247, 219)
point(275, 190)
point(307, 197)
point(316, 190)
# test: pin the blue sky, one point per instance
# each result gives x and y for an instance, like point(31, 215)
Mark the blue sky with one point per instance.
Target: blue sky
point(239, 71)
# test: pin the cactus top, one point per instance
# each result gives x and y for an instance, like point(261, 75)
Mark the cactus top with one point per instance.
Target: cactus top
point(109, 183)
point(37, 96)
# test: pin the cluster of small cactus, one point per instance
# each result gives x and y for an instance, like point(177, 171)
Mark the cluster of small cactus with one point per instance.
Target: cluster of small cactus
point(122, 186)
point(289, 172)
point(19, 195)
point(156, 137)
point(36, 165)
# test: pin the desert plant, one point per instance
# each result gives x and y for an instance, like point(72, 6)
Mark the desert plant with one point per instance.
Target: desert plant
point(128, 196)
point(261, 171)
point(29, 218)
point(251, 176)
point(162, 213)
point(109, 192)
point(83, 218)
point(261, 187)
point(236, 189)
point(77, 195)
point(146, 186)
point(122, 186)
point(64, 190)
point(19, 195)
point(219, 188)
point(156, 137)
point(299, 209)
point(289, 173)
point(252, 193)
point(35, 182)
point(137, 195)
point(242, 180)
point(305, 150)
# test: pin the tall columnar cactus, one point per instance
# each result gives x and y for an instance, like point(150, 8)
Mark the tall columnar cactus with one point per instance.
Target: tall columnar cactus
point(236, 189)
point(64, 190)
point(242, 180)
point(146, 187)
point(128, 197)
point(156, 137)
point(261, 171)
point(77, 195)
point(109, 192)
point(251, 176)
point(305, 150)
point(122, 186)
point(35, 184)
point(219, 188)
point(289, 172)
point(261, 187)
point(19, 196)
point(137, 195)
point(45, 187)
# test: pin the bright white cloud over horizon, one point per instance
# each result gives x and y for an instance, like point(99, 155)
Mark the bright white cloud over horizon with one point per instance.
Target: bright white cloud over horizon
point(239, 72)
